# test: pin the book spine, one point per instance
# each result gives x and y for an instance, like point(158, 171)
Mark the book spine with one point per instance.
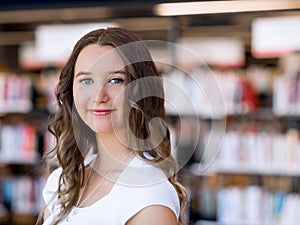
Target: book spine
point(22, 151)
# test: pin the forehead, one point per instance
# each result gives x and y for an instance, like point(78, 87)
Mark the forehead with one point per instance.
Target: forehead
point(95, 57)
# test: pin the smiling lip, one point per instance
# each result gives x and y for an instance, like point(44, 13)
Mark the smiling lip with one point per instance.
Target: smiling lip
point(101, 112)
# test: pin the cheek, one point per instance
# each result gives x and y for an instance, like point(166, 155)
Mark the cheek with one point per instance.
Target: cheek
point(118, 95)
point(80, 98)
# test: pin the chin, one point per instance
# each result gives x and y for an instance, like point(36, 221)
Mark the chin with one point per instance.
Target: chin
point(99, 130)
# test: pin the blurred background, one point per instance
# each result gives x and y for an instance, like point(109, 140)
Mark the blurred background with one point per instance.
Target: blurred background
point(251, 48)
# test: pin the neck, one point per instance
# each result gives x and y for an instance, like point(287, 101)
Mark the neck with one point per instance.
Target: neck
point(112, 151)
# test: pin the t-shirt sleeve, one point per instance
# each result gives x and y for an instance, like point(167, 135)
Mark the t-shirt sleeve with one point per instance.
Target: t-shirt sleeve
point(163, 194)
point(50, 189)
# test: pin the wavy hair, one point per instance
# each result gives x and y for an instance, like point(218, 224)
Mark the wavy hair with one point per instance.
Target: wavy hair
point(73, 135)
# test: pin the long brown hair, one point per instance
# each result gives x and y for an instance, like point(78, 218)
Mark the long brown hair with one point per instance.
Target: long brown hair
point(72, 135)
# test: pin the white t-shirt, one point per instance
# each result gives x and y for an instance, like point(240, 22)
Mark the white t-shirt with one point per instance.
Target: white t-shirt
point(139, 185)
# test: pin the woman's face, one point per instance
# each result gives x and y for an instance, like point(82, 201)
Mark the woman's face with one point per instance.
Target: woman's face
point(99, 88)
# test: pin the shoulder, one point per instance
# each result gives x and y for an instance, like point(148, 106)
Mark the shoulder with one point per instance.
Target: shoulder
point(51, 186)
point(53, 178)
point(155, 214)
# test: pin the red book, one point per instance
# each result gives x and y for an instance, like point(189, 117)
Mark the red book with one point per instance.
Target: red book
point(28, 143)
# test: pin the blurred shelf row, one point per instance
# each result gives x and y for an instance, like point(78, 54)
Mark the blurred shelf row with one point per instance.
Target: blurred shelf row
point(255, 152)
point(244, 200)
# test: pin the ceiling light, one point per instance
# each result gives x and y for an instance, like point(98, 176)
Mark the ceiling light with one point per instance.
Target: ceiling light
point(209, 7)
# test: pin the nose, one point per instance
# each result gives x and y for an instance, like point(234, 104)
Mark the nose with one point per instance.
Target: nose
point(102, 96)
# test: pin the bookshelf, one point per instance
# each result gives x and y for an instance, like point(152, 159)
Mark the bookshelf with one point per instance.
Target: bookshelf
point(22, 142)
point(254, 177)
point(268, 110)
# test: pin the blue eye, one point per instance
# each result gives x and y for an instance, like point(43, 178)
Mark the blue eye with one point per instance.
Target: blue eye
point(116, 81)
point(86, 81)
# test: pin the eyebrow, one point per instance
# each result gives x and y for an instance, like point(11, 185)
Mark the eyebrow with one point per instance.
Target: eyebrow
point(117, 71)
point(86, 73)
point(81, 73)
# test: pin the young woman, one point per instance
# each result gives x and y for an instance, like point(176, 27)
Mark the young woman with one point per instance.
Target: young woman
point(112, 142)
